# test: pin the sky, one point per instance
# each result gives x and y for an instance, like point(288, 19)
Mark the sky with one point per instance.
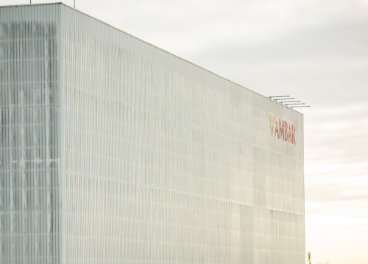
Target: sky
point(315, 51)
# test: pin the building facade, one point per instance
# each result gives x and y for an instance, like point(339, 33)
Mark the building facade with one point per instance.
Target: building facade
point(115, 151)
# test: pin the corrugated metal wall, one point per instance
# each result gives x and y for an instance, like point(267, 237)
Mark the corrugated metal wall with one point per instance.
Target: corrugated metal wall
point(163, 161)
point(169, 163)
point(29, 139)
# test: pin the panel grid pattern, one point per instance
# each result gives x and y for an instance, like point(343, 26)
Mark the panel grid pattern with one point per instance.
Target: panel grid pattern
point(168, 163)
point(29, 141)
point(129, 154)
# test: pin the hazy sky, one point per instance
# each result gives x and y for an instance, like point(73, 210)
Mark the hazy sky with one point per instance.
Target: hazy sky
point(316, 51)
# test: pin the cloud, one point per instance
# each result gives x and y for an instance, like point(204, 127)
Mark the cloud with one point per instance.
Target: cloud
point(314, 50)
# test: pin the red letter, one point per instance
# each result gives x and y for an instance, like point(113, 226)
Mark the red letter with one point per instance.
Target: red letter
point(276, 128)
point(286, 138)
point(289, 134)
point(293, 136)
point(281, 129)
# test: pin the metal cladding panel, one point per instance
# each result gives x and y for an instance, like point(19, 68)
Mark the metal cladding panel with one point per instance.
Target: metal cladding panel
point(163, 161)
point(29, 135)
point(166, 162)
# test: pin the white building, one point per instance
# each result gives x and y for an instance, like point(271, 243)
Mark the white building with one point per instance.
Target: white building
point(115, 151)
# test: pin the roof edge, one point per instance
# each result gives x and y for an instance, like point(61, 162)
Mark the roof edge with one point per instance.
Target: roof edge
point(36, 4)
point(61, 3)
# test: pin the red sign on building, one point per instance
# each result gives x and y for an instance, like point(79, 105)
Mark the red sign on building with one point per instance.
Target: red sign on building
point(281, 129)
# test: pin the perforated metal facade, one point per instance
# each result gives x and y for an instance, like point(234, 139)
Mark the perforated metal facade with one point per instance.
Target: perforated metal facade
point(115, 151)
